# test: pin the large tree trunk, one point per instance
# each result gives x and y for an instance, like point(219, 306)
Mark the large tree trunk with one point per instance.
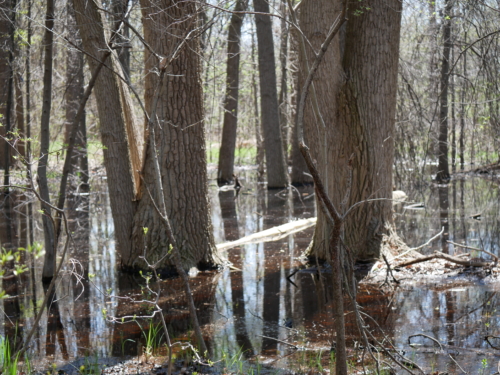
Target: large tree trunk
point(277, 176)
point(121, 136)
point(228, 144)
point(180, 143)
point(358, 109)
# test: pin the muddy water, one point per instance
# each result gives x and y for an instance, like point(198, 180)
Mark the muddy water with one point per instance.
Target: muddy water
point(269, 305)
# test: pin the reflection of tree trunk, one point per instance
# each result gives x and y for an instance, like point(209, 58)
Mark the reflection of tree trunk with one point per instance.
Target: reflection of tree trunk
point(55, 329)
point(444, 207)
point(12, 310)
point(450, 319)
point(231, 232)
point(273, 216)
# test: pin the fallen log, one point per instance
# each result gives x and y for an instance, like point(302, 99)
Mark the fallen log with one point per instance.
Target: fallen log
point(271, 234)
point(478, 262)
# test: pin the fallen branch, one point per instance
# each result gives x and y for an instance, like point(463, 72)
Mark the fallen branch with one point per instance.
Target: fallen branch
point(272, 234)
point(450, 258)
point(426, 336)
point(474, 248)
point(280, 341)
point(419, 247)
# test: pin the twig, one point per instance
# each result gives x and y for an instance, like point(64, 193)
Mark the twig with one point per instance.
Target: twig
point(487, 338)
point(426, 336)
point(460, 367)
point(474, 248)
point(419, 247)
point(477, 308)
point(283, 342)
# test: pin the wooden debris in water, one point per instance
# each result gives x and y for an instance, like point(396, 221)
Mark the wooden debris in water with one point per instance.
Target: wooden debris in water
point(272, 234)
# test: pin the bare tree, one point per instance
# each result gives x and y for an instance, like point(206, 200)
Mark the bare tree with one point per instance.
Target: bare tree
point(277, 175)
point(228, 143)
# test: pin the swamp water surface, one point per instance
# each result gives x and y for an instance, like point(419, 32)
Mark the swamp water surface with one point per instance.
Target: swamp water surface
point(269, 307)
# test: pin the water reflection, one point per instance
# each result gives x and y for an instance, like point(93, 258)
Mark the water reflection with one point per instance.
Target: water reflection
point(267, 298)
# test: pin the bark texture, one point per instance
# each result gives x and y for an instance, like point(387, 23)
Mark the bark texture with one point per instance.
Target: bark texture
point(443, 174)
point(277, 175)
point(180, 142)
point(43, 161)
point(6, 49)
point(121, 136)
point(357, 105)
point(229, 127)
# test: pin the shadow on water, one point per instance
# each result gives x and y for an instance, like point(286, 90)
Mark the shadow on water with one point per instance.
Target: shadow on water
point(268, 303)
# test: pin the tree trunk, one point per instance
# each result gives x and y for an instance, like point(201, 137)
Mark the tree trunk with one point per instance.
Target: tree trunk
point(443, 174)
point(229, 127)
point(122, 40)
point(74, 94)
point(300, 174)
point(358, 109)
point(5, 74)
point(277, 176)
point(121, 136)
point(180, 143)
point(48, 229)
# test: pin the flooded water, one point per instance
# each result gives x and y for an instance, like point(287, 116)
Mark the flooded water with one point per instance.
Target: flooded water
point(269, 307)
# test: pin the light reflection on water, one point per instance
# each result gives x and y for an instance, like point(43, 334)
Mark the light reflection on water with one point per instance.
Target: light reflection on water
point(251, 305)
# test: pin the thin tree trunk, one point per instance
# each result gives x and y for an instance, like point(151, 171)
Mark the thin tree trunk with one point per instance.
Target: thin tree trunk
point(229, 127)
point(5, 74)
point(28, 124)
point(277, 176)
point(7, 155)
point(462, 110)
point(453, 118)
point(443, 174)
point(258, 127)
point(283, 95)
point(48, 228)
point(122, 40)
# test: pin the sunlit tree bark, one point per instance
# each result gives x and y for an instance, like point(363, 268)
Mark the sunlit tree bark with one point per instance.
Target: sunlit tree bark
point(356, 93)
point(120, 132)
point(170, 26)
point(277, 175)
